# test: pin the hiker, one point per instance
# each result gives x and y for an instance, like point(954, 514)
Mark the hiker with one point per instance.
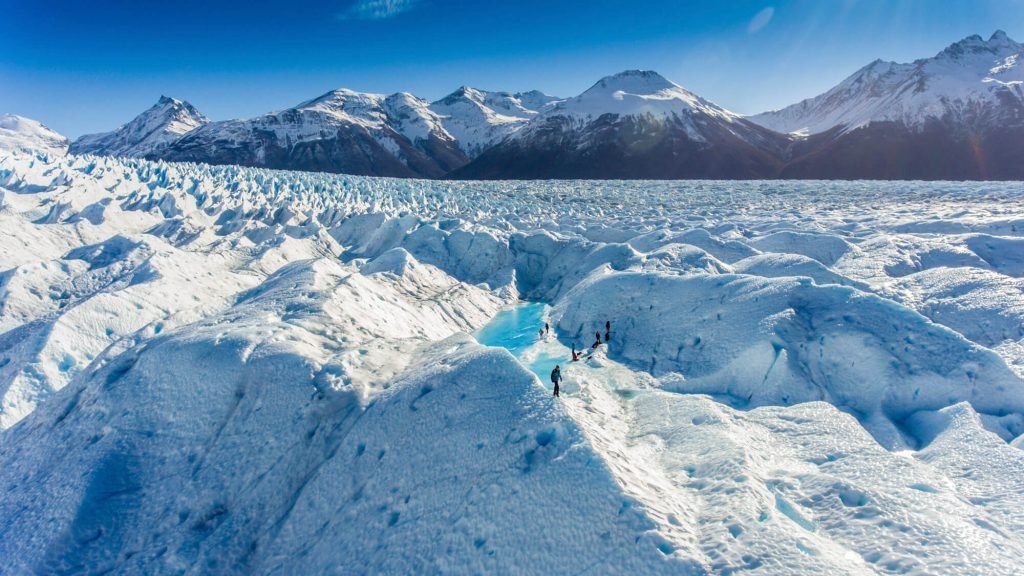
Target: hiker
point(540, 333)
point(607, 330)
point(547, 329)
point(575, 355)
point(597, 339)
point(556, 377)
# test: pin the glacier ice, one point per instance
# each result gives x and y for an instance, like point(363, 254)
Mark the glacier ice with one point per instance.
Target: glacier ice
point(232, 370)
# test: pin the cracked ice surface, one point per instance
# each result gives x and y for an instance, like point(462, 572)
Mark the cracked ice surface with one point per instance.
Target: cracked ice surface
point(231, 370)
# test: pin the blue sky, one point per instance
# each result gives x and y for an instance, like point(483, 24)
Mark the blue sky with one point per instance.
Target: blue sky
point(84, 66)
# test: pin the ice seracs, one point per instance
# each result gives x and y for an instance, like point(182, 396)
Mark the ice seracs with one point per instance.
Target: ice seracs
point(148, 134)
point(26, 134)
point(246, 371)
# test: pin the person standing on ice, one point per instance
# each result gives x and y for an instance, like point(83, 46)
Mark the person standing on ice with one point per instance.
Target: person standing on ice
point(575, 356)
point(547, 329)
point(556, 377)
point(597, 339)
point(607, 330)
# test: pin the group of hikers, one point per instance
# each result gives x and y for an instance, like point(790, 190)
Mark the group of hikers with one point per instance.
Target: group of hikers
point(556, 374)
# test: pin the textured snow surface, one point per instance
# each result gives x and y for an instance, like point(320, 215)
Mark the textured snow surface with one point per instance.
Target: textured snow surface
point(967, 82)
point(232, 370)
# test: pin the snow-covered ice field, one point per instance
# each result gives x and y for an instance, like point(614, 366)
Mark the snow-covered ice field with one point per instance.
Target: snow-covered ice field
point(231, 370)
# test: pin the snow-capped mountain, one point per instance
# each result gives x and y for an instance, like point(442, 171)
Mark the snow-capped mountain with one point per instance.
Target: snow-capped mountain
point(20, 133)
point(478, 119)
point(635, 124)
point(956, 116)
point(973, 82)
point(341, 131)
point(148, 134)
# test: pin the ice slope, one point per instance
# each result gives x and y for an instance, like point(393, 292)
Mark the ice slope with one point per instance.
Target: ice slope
point(750, 487)
point(148, 134)
point(236, 370)
point(971, 81)
point(302, 361)
point(786, 341)
point(802, 489)
point(20, 133)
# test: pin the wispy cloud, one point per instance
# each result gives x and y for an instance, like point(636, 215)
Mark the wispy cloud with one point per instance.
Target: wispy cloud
point(376, 9)
point(761, 19)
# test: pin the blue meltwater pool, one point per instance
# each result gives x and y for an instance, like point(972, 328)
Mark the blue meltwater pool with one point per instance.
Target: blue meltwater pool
point(516, 329)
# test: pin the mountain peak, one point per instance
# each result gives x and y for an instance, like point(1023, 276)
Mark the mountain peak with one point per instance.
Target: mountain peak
point(998, 43)
point(463, 93)
point(20, 133)
point(1001, 39)
point(969, 74)
point(147, 133)
point(635, 82)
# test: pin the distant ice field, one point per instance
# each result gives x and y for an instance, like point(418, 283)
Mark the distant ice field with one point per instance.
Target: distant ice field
point(234, 370)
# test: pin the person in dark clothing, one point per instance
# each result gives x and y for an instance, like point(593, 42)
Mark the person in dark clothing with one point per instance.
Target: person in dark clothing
point(597, 339)
point(556, 377)
point(607, 330)
point(575, 356)
point(547, 329)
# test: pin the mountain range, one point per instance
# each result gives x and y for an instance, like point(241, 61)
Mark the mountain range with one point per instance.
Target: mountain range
point(958, 115)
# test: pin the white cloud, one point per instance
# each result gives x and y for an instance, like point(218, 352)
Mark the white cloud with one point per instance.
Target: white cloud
point(761, 19)
point(376, 9)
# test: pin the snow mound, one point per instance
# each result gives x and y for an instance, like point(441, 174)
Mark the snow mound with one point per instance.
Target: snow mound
point(785, 341)
point(1005, 255)
point(824, 248)
point(775, 265)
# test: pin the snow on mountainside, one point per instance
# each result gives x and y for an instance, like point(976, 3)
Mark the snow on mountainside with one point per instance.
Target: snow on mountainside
point(973, 82)
point(243, 371)
point(636, 93)
point(635, 124)
point(956, 116)
point(341, 131)
point(148, 134)
point(20, 133)
point(478, 119)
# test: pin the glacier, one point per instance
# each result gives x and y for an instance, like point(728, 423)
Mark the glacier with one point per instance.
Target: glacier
point(215, 369)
